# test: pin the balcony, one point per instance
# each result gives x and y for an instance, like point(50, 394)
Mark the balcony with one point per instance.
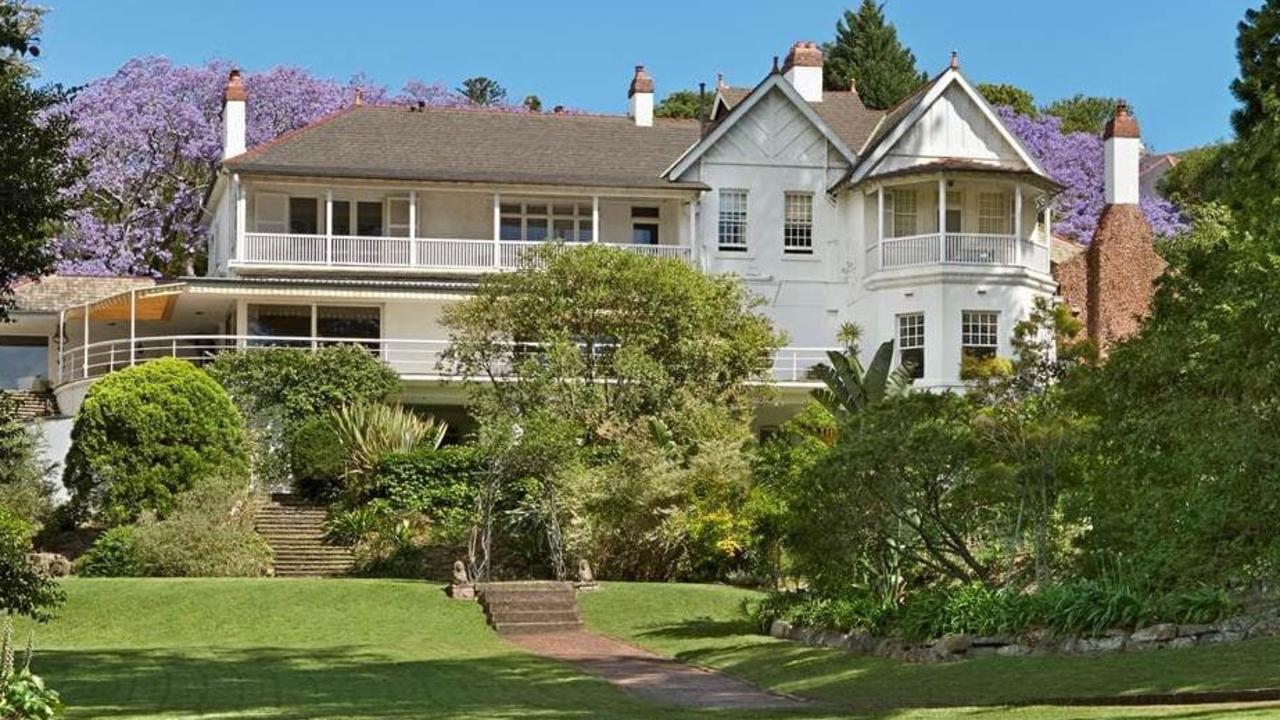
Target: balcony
point(402, 253)
point(412, 359)
point(959, 249)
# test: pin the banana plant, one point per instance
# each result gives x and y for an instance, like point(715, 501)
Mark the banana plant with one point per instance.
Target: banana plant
point(850, 388)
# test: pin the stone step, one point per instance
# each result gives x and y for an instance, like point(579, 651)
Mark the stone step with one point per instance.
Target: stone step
point(515, 617)
point(536, 628)
point(294, 529)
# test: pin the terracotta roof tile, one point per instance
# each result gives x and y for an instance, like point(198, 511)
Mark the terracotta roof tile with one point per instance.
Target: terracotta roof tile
point(54, 293)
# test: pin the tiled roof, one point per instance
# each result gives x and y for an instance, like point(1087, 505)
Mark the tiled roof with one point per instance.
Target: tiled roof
point(843, 112)
point(473, 145)
point(1061, 249)
point(960, 166)
point(54, 293)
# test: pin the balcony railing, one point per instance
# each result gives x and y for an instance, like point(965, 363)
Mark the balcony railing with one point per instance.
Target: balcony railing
point(348, 251)
point(417, 358)
point(959, 249)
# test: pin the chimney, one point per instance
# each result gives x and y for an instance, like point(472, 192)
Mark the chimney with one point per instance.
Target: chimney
point(1122, 263)
point(233, 120)
point(1123, 146)
point(803, 69)
point(640, 98)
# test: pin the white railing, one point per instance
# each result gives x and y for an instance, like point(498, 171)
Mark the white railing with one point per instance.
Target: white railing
point(408, 253)
point(418, 358)
point(959, 249)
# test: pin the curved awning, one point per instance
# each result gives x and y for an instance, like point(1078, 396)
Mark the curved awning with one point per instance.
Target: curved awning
point(147, 303)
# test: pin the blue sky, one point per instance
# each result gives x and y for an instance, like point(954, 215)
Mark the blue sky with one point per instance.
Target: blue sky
point(1172, 59)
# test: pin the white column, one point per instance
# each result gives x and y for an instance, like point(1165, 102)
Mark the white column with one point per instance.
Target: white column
point(62, 343)
point(242, 322)
point(84, 366)
point(880, 224)
point(328, 227)
point(1017, 222)
point(595, 218)
point(133, 325)
point(241, 214)
point(691, 238)
point(1048, 231)
point(942, 220)
point(413, 228)
point(497, 229)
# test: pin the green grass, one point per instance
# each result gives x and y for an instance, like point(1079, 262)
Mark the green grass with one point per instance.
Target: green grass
point(294, 649)
point(700, 624)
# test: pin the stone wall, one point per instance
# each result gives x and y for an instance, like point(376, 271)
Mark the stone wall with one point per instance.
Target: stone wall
point(960, 647)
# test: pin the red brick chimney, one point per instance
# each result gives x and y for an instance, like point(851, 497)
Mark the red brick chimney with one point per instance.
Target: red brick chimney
point(1123, 265)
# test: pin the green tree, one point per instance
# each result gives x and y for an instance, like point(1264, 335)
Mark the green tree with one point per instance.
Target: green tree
point(532, 103)
point(34, 168)
point(1011, 96)
point(1082, 113)
point(24, 487)
point(867, 52)
point(1258, 52)
point(849, 388)
point(1201, 175)
point(145, 434)
point(23, 590)
point(685, 104)
point(482, 91)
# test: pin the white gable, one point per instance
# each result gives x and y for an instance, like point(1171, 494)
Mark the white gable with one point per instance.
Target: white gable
point(772, 132)
point(953, 127)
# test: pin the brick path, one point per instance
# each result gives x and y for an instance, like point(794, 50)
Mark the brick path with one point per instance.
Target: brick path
point(653, 677)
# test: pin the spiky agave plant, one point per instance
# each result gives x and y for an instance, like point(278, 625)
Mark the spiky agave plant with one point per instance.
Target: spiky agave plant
point(368, 432)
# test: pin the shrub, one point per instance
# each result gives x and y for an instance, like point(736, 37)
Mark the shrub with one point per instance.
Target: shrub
point(439, 482)
point(209, 534)
point(315, 459)
point(23, 590)
point(113, 554)
point(146, 433)
point(369, 432)
point(24, 487)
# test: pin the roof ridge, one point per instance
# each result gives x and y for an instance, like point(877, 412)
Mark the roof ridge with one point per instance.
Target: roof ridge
point(483, 110)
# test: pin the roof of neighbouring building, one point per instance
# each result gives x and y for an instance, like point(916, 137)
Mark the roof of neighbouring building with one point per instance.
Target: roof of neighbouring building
point(476, 145)
point(842, 111)
point(1061, 249)
point(54, 293)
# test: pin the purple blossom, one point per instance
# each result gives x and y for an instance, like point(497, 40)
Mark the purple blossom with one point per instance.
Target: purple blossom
point(1077, 161)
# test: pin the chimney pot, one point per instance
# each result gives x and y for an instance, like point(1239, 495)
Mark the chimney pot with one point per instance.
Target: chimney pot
point(803, 69)
point(955, 60)
point(234, 90)
point(1121, 124)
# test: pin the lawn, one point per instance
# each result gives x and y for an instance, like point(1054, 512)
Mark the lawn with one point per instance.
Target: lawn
point(293, 649)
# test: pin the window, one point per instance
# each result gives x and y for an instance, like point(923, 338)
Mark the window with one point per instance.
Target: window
point(900, 206)
point(797, 223)
point(23, 359)
point(979, 334)
point(369, 219)
point(398, 217)
point(341, 217)
point(955, 212)
point(644, 225)
point(535, 222)
point(911, 344)
point(271, 213)
point(733, 220)
point(995, 214)
point(304, 216)
point(279, 321)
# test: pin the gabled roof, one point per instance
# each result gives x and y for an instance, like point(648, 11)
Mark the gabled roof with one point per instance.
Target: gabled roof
point(475, 145)
point(843, 111)
point(772, 81)
point(905, 114)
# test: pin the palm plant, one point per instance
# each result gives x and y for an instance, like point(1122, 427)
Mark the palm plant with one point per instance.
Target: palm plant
point(368, 432)
point(850, 388)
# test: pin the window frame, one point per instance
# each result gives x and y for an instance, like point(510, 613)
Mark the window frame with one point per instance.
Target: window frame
point(797, 229)
point(894, 207)
point(915, 332)
point(732, 223)
point(547, 213)
point(993, 220)
point(979, 334)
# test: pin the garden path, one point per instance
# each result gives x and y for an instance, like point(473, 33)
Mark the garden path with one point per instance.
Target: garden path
point(651, 676)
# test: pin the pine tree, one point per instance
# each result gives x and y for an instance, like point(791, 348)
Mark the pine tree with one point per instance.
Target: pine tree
point(1258, 51)
point(867, 50)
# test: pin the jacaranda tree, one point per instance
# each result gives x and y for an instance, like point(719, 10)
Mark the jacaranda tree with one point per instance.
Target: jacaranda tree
point(1075, 159)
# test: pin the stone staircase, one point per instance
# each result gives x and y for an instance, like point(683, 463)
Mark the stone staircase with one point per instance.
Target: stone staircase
point(294, 529)
point(530, 608)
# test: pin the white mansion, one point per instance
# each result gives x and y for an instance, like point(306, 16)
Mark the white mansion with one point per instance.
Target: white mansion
point(928, 224)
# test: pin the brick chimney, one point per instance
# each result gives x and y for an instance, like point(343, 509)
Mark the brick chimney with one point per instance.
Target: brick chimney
point(1123, 265)
point(640, 98)
point(803, 69)
point(233, 116)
